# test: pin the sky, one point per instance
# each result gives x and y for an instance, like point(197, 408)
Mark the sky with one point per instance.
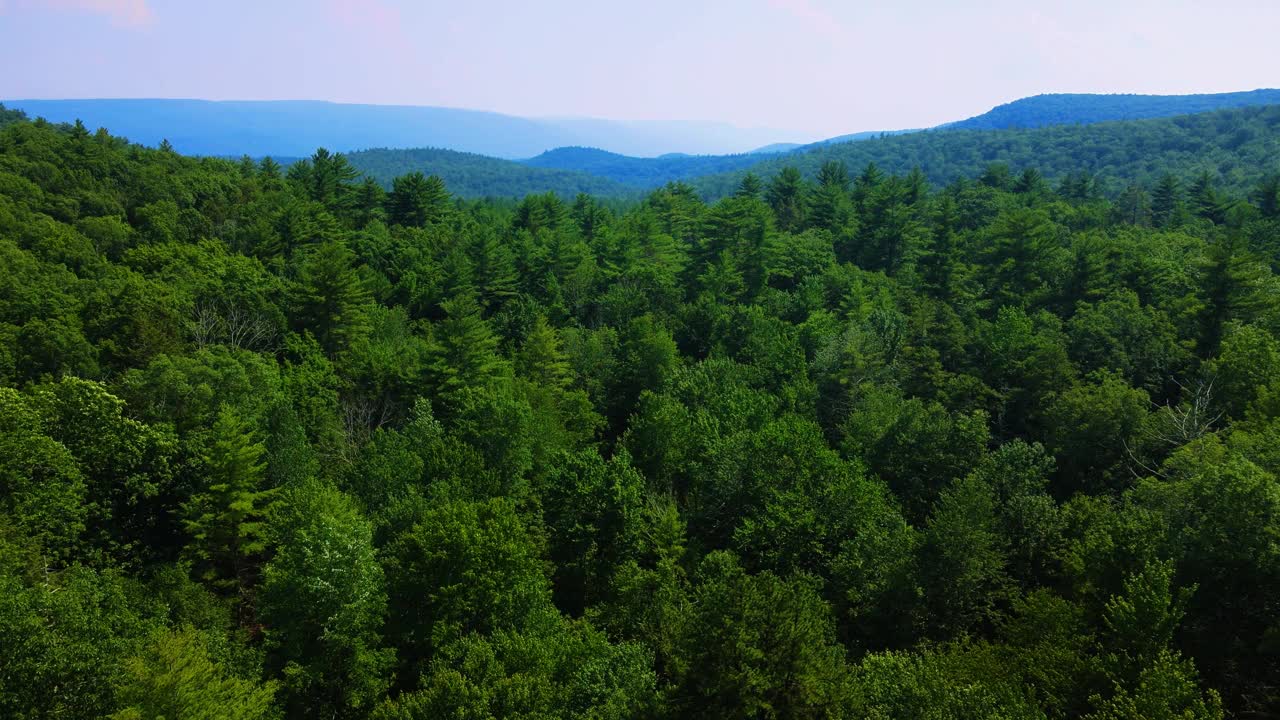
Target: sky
point(815, 68)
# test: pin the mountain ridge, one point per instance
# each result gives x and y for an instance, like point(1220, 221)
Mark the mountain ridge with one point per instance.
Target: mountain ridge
point(298, 127)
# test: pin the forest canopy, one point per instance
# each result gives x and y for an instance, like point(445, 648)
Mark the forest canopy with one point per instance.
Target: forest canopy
point(839, 444)
point(1236, 147)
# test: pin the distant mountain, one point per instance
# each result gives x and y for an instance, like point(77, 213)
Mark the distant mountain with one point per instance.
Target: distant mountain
point(775, 148)
point(639, 172)
point(1237, 147)
point(473, 176)
point(297, 128)
point(1080, 109)
point(856, 137)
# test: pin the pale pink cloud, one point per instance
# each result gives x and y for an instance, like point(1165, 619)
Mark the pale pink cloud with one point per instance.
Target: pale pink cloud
point(128, 13)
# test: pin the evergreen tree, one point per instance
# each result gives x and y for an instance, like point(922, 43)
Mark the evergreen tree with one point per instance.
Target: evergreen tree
point(541, 358)
point(1234, 285)
point(749, 187)
point(1267, 196)
point(225, 517)
point(176, 678)
point(416, 200)
point(831, 209)
point(1167, 206)
point(1206, 201)
point(493, 269)
point(368, 203)
point(463, 350)
point(330, 301)
point(788, 194)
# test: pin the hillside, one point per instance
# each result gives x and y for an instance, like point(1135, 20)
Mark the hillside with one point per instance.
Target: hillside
point(639, 172)
point(297, 128)
point(472, 176)
point(1237, 146)
point(1082, 109)
point(8, 117)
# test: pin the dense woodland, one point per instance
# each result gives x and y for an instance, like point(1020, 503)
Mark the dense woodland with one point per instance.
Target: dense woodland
point(478, 176)
point(1236, 147)
point(1085, 108)
point(641, 172)
point(282, 444)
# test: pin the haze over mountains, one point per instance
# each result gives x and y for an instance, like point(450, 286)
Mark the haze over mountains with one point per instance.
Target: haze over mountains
point(297, 128)
point(481, 154)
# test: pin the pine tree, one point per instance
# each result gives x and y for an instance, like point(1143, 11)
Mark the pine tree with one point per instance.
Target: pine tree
point(463, 350)
point(1166, 203)
point(1134, 206)
point(831, 209)
point(330, 301)
point(590, 216)
point(175, 678)
point(788, 196)
point(417, 200)
point(750, 187)
point(493, 270)
point(833, 173)
point(1234, 286)
point(541, 358)
point(867, 185)
point(540, 213)
point(269, 168)
point(1267, 196)
point(1030, 182)
point(369, 201)
point(224, 519)
point(1206, 201)
point(328, 180)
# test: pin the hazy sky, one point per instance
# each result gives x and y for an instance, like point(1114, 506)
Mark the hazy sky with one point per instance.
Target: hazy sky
point(819, 67)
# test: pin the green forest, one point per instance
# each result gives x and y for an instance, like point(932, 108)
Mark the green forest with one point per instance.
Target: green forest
point(843, 443)
point(477, 176)
point(641, 172)
point(1085, 108)
point(1237, 147)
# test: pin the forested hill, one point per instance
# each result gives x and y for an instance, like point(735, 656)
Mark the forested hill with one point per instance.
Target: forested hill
point(1083, 109)
point(298, 127)
point(639, 172)
point(282, 445)
point(8, 117)
point(473, 176)
point(1236, 146)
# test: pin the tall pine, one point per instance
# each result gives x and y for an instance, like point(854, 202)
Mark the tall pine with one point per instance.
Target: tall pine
point(224, 518)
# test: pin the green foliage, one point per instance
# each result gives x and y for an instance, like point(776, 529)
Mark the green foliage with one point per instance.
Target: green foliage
point(323, 601)
point(837, 445)
point(64, 641)
point(225, 516)
point(472, 176)
point(330, 302)
point(463, 567)
point(42, 490)
point(757, 646)
point(174, 677)
point(1231, 142)
point(563, 670)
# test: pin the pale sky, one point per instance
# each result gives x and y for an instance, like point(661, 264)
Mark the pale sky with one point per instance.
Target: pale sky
point(818, 67)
